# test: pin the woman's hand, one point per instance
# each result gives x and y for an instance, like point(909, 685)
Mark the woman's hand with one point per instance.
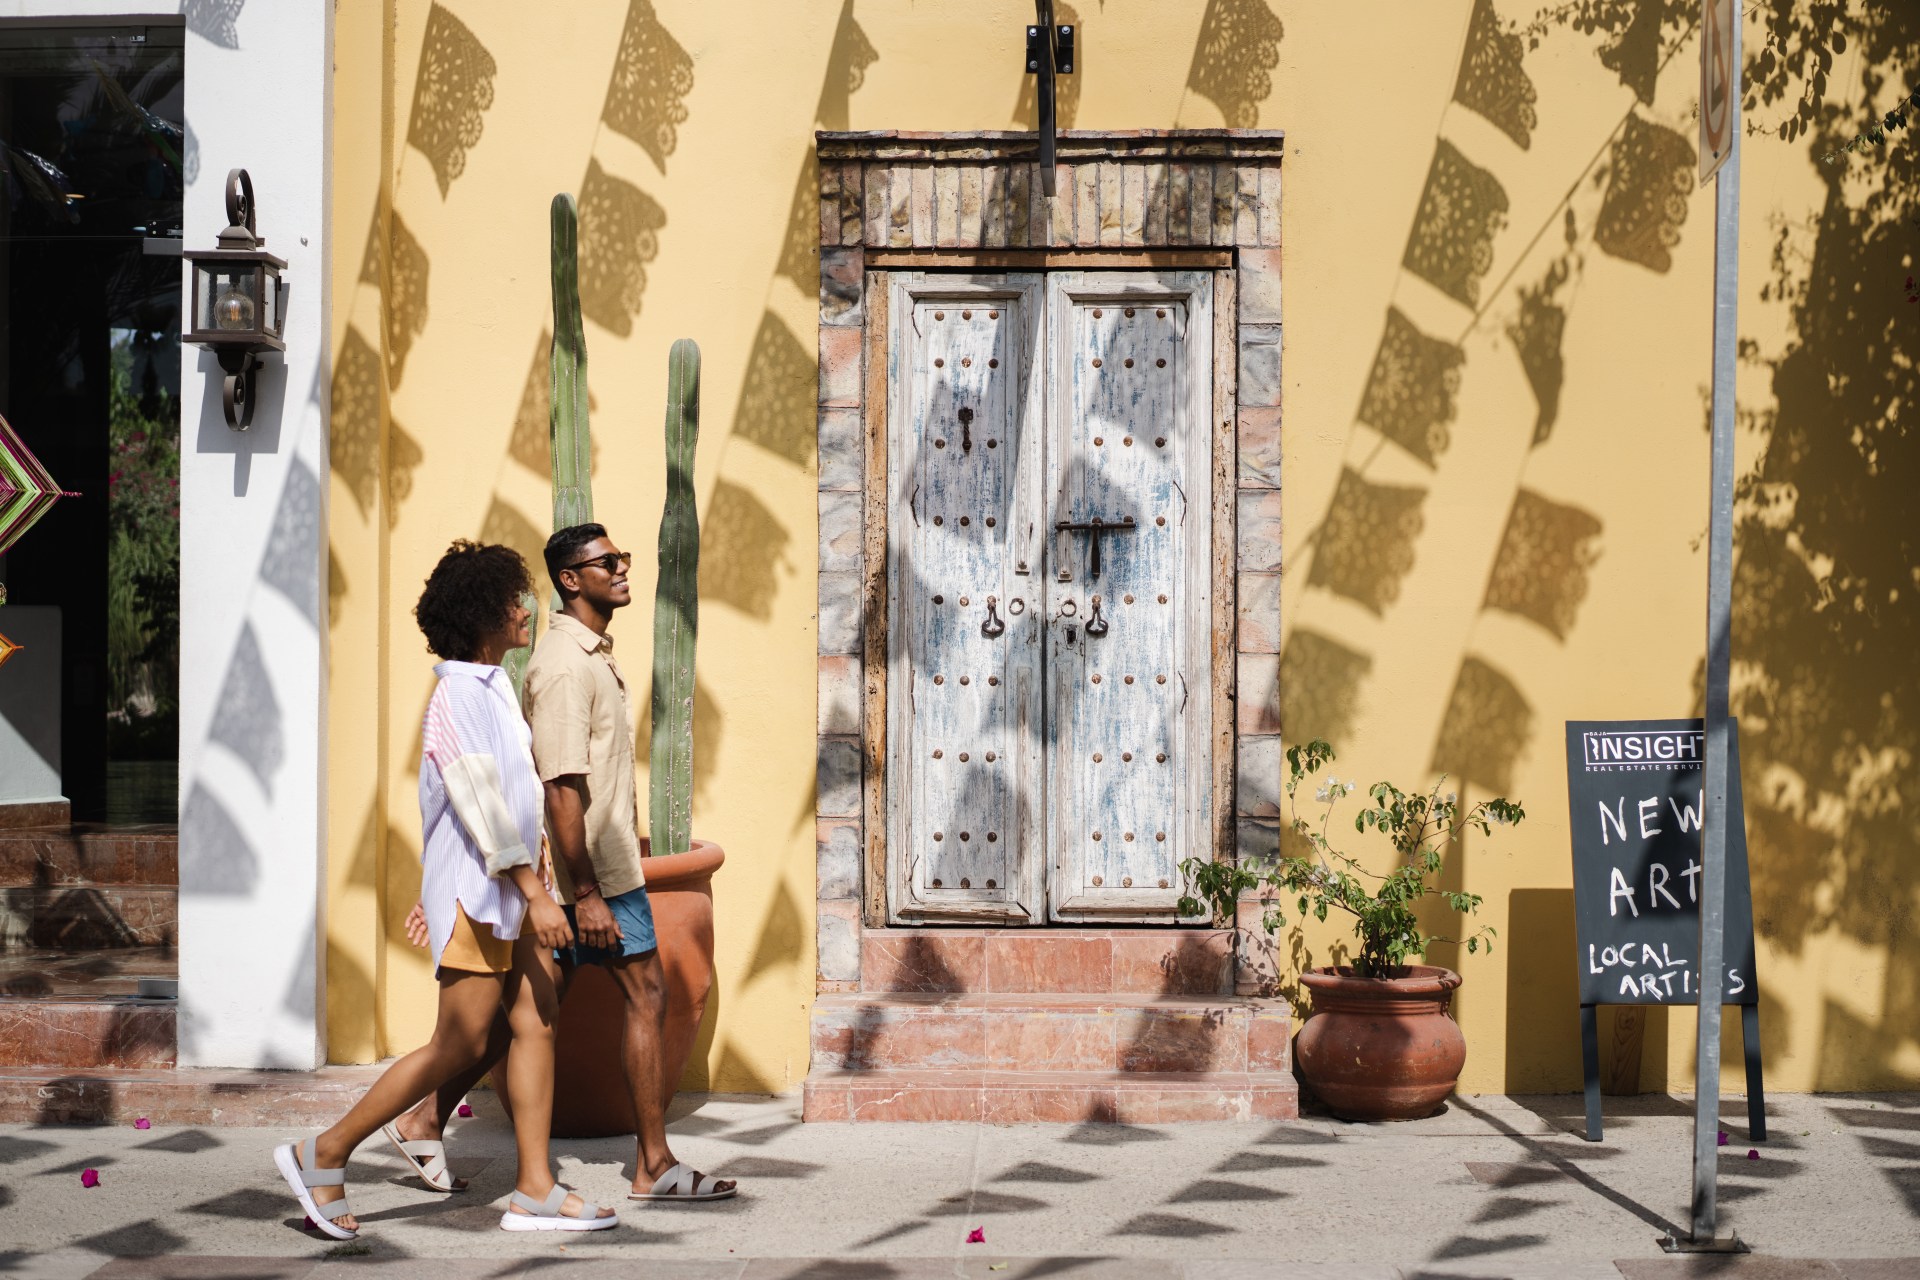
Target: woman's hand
point(416, 926)
point(549, 923)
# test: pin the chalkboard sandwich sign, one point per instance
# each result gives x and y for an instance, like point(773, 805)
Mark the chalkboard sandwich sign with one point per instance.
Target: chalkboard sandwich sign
point(1635, 806)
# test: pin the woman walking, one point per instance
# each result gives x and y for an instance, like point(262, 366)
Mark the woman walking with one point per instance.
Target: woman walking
point(482, 879)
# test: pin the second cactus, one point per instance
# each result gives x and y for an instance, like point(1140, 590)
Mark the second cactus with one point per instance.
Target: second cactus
point(676, 614)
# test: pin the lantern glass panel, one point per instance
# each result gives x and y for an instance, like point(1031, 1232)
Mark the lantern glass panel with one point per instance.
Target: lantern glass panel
point(226, 297)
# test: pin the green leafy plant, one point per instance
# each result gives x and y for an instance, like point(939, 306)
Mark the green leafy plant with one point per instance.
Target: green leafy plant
point(1418, 825)
point(143, 564)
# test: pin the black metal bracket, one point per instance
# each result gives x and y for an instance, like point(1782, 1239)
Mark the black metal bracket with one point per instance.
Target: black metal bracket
point(1049, 54)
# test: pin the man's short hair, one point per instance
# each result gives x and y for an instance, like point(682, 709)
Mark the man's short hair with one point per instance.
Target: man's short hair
point(563, 548)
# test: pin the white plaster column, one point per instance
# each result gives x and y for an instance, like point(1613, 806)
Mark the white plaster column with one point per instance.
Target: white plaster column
point(254, 565)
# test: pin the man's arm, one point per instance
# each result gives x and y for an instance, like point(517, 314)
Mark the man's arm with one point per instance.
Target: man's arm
point(567, 821)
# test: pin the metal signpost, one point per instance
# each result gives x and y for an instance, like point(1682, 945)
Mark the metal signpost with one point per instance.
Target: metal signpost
point(1719, 155)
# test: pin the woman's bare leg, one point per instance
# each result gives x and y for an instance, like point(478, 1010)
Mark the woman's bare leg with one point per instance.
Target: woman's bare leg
point(468, 1002)
point(533, 1008)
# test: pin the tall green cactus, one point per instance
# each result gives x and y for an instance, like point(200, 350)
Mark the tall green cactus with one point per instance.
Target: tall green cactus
point(572, 443)
point(676, 614)
point(567, 404)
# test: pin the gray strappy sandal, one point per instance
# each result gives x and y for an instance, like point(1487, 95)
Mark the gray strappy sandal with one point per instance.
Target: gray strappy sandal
point(428, 1156)
point(297, 1167)
point(545, 1215)
point(684, 1182)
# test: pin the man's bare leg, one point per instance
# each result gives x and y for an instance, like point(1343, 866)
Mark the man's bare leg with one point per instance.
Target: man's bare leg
point(643, 980)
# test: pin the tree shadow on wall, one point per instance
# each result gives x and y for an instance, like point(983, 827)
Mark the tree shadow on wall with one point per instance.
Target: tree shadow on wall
point(652, 76)
point(1234, 57)
point(451, 94)
point(1826, 618)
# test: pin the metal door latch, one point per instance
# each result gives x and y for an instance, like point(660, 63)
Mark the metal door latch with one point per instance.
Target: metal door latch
point(1096, 527)
point(966, 431)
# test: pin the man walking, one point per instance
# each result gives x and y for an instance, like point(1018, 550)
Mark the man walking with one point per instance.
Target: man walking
point(576, 702)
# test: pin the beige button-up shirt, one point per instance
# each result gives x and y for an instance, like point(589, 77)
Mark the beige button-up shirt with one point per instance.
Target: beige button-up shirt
point(576, 702)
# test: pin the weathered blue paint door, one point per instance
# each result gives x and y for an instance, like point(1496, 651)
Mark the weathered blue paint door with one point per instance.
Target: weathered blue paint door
point(1048, 611)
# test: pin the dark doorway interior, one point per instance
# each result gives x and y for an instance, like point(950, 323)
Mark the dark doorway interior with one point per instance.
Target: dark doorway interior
point(93, 156)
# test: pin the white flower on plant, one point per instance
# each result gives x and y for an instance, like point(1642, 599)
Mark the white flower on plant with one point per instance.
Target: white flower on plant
point(1350, 788)
point(1328, 786)
point(1453, 797)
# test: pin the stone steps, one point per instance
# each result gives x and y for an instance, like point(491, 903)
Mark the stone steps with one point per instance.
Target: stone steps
point(1051, 1033)
point(1047, 1097)
point(289, 1100)
point(50, 857)
point(1009, 961)
point(88, 922)
point(87, 917)
point(69, 1034)
point(1073, 1025)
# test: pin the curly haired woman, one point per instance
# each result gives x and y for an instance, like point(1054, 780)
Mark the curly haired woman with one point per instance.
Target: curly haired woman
point(482, 879)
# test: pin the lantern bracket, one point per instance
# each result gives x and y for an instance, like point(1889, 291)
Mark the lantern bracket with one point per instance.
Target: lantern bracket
point(1050, 49)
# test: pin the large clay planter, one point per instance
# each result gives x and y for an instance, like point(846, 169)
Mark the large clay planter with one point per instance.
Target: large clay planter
point(1381, 1048)
point(590, 1097)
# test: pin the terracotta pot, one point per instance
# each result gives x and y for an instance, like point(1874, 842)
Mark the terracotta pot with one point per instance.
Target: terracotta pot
point(590, 1096)
point(1381, 1048)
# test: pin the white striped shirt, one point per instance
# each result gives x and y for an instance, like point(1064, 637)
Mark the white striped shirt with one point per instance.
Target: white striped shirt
point(480, 802)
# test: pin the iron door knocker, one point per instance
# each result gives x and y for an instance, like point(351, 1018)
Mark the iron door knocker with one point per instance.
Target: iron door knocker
point(1096, 625)
point(992, 626)
point(966, 431)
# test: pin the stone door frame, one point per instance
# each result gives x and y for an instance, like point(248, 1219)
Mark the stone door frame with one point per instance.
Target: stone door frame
point(1173, 200)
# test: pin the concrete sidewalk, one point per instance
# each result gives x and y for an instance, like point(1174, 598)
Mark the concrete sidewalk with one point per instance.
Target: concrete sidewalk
point(1494, 1187)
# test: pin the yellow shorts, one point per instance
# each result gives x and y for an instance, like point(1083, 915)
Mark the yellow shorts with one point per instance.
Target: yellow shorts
point(472, 950)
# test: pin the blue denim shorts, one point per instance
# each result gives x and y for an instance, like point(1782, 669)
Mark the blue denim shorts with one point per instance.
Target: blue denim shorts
point(633, 913)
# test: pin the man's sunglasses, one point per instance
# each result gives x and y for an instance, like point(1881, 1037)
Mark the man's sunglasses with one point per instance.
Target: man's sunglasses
point(612, 562)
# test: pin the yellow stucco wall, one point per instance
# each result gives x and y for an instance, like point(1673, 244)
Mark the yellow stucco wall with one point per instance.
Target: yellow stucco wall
point(454, 126)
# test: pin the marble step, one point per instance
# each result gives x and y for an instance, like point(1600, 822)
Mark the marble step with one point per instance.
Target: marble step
point(87, 917)
point(1060, 1033)
point(77, 1034)
point(82, 855)
point(1175, 962)
point(286, 1100)
point(54, 973)
point(1022, 1097)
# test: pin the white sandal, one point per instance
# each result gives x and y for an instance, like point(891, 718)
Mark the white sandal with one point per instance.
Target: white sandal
point(684, 1182)
point(297, 1167)
point(545, 1215)
point(428, 1157)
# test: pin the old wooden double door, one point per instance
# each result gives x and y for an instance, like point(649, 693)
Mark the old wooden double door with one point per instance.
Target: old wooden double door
point(1049, 551)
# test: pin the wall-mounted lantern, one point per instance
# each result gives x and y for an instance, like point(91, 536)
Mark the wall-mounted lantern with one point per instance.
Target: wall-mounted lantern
point(237, 302)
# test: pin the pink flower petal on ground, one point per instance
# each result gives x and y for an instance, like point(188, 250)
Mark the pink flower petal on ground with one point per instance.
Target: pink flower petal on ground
point(977, 1236)
point(89, 1177)
point(1723, 1137)
point(1752, 1154)
point(465, 1112)
point(143, 1123)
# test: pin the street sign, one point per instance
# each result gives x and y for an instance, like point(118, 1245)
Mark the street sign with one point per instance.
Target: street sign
point(1719, 72)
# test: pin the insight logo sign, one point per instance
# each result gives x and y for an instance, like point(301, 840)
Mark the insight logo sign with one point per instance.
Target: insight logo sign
point(1627, 750)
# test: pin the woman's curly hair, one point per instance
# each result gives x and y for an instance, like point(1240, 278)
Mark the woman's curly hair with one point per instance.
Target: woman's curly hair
point(467, 597)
